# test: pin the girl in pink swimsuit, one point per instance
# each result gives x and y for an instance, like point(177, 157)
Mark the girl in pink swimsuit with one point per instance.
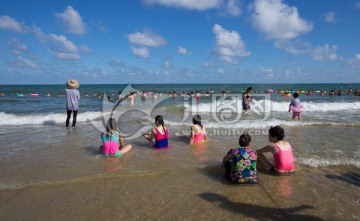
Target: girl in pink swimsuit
point(198, 131)
point(113, 144)
point(282, 153)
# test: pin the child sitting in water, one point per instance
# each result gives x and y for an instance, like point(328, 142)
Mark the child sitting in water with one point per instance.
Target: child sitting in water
point(198, 131)
point(113, 144)
point(240, 163)
point(160, 133)
point(296, 107)
point(282, 152)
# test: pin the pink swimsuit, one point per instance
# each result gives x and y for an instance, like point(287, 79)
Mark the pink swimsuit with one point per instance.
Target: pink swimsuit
point(284, 159)
point(198, 137)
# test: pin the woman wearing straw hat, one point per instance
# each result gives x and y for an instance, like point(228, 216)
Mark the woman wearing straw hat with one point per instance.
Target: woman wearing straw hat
point(72, 100)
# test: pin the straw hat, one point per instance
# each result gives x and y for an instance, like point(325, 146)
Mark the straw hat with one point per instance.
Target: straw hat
point(72, 84)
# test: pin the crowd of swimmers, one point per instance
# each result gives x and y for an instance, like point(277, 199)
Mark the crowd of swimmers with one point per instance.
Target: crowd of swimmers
point(240, 164)
point(202, 93)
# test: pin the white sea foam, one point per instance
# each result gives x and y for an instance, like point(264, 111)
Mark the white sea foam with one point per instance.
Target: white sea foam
point(256, 124)
point(323, 162)
point(12, 119)
point(278, 106)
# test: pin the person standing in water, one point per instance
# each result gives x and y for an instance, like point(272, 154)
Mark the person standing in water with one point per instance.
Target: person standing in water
point(72, 100)
point(247, 99)
point(296, 107)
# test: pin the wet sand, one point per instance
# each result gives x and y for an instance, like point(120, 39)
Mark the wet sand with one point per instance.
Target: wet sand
point(68, 181)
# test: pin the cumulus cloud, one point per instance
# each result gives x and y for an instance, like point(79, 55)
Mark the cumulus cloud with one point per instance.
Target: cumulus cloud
point(142, 52)
point(229, 45)
point(9, 24)
point(330, 16)
point(278, 21)
point(59, 45)
point(140, 42)
point(62, 48)
point(183, 51)
point(325, 53)
point(72, 21)
point(295, 47)
point(233, 7)
point(147, 38)
point(187, 4)
point(357, 56)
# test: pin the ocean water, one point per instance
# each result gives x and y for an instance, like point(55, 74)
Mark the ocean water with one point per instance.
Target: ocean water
point(38, 153)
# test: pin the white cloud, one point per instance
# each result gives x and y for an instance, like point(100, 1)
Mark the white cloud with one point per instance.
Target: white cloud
point(325, 53)
point(18, 47)
point(62, 48)
point(142, 52)
point(147, 38)
point(143, 40)
point(9, 24)
point(233, 7)
point(166, 65)
point(294, 47)
point(220, 71)
point(59, 45)
point(358, 56)
point(330, 16)
point(229, 45)
point(183, 51)
point(39, 34)
point(200, 5)
point(85, 49)
point(27, 63)
point(72, 21)
point(278, 21)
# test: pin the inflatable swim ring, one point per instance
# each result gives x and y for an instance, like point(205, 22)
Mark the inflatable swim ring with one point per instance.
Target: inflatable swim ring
point(20, 95)
point(34, 95)
point(287, 95)
point(297, 109)
point(269, 91)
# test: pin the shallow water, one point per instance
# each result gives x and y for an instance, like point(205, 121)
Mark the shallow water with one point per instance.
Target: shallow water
point(60, 171)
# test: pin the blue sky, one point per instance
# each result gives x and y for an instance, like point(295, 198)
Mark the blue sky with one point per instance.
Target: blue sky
point(179, 41)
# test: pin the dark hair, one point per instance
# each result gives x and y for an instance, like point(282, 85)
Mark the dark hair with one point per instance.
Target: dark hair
point(296, 95)
point(197, 120)
point(111, 126)
point(159, 119)
point(244, 140)
point(277, 132)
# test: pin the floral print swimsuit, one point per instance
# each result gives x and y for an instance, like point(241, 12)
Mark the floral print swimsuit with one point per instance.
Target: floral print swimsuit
point(242, 165)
